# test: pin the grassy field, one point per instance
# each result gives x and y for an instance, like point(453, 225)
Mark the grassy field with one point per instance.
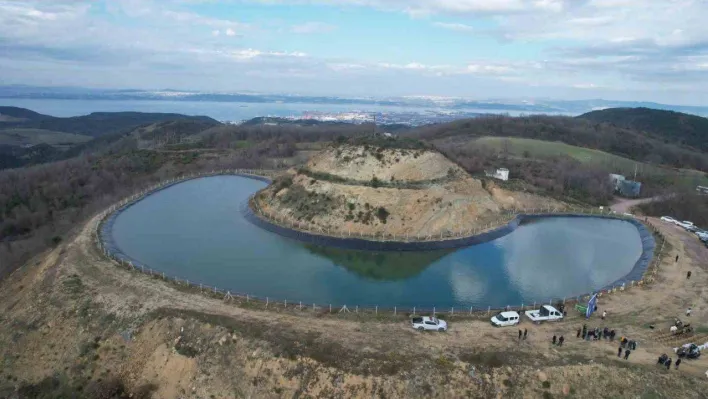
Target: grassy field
point(21, 136)
point(537, 148)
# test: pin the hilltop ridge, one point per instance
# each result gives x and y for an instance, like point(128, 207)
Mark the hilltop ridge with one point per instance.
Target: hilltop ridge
point(387, 188)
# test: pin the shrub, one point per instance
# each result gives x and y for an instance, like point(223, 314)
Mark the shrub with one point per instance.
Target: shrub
point(375, 183)
point(382, 214)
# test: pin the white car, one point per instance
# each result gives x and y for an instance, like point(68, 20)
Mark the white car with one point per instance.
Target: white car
point(686, 225)
point(426, 323)
point(669, 219)
point(504, 319)
point(546, 313)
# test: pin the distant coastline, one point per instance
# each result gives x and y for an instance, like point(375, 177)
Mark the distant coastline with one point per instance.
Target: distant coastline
point(9, 93)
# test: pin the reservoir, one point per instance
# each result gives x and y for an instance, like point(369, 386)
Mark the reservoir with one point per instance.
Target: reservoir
point(196, 231)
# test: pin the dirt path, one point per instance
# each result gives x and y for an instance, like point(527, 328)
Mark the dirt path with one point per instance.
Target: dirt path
point(624, 205)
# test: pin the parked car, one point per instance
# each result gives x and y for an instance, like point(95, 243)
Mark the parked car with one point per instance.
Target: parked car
point(504, 319)
point(546, 313)
point(669, 219)
point(685, 224)
point(425, 323)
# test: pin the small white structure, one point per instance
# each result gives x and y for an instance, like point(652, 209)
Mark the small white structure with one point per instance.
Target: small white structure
point(501, 174)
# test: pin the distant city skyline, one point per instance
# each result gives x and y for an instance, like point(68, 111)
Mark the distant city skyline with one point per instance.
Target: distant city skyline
point(628, 50)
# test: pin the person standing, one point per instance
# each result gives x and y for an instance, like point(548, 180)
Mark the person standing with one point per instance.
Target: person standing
point(604, 314)
point(619, 351)
point(560, 341)
point(526, 332)
point(688, 275)
point(520, 333)
point(626, 354)
point(554, 340)
point(678, 361)
point(578, 335)
point(688, 312)
point(676, 258)
point(612, 336)
point(668, 364)
point(585, 330)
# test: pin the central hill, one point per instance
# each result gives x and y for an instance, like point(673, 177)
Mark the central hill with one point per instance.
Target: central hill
point(390, 186)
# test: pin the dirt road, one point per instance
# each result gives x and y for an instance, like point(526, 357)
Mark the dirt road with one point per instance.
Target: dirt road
point(623, 205)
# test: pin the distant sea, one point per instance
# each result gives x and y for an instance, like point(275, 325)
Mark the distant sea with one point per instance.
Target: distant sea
point(222, 111)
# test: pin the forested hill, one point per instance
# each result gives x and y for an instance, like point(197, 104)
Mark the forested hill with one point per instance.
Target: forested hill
point(96, 124)
point(672, 127)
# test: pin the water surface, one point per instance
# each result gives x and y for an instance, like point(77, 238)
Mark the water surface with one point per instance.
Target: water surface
point(195, 230)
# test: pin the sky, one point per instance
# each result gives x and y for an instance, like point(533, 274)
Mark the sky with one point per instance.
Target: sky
point(652, 50)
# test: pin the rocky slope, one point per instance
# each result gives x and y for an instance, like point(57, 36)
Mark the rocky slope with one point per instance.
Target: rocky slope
point(391, 188)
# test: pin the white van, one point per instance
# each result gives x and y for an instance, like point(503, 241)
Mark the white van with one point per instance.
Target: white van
point(504, 319)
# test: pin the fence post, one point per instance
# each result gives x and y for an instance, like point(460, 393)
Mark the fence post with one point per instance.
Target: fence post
point(433, 311)
point(489, 309)
point(470, 310)
point(267, 302)
point(377, 310)
point(394, 311)
point(452, 311)
point(413, 310)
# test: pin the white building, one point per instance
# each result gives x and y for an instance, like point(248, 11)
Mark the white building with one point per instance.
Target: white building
point(501, 174)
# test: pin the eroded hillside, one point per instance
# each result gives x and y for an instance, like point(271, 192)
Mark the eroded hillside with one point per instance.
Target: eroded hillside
point(388, 189)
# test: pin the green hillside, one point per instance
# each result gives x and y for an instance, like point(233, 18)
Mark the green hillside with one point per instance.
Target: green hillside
point(95, 125)
point(28, 136)
point(520, 147)
point(672, 127)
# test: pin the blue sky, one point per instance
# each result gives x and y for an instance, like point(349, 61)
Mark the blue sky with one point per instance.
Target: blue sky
point(568, 49)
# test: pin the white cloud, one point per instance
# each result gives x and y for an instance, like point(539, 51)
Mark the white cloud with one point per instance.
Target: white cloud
point(454, 26)
point(312, 27)
point(488, 69)
point(230, 32)
point(585, 86)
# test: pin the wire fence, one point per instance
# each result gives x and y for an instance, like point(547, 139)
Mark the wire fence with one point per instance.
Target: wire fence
point(102, 231)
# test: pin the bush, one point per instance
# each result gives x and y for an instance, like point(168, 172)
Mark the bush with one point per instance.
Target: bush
point(375, 182)
point(382, 214)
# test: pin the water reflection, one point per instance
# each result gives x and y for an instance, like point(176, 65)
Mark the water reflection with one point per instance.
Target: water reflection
point(384, 266)
point(569, 257)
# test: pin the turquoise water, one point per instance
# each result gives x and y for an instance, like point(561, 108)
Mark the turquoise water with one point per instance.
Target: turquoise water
point(195, 231)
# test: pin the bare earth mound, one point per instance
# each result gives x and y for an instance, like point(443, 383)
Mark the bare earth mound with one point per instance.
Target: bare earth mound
point(388, 189)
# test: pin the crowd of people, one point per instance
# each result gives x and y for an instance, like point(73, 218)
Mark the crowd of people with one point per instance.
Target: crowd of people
point(596, 333)
point(665, 360)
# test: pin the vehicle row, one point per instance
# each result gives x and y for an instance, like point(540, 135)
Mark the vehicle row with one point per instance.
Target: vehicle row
point(510, 318)
point(501, 319)
point(689, 226)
